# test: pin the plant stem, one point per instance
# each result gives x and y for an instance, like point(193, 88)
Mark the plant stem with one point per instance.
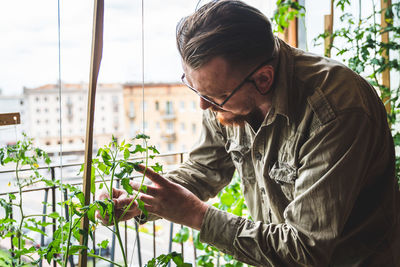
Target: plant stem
point(141, 183)
point(19, 231)
point(104, 259)
point(69, 236)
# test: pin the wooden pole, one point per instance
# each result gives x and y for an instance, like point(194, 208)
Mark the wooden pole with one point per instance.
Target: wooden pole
point(385, 4)
point(328, 29)
point(97, 47)
point(290, 34)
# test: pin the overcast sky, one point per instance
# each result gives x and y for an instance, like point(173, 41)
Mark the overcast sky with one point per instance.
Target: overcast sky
point(29, 40)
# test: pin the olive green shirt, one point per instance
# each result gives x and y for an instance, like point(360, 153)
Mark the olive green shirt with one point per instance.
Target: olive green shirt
point(317, 176)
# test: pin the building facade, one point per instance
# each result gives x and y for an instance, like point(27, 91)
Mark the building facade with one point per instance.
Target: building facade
point(168, 113)
point(43, 116)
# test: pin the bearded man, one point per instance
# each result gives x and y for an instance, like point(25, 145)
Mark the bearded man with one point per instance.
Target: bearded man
point(308, 137)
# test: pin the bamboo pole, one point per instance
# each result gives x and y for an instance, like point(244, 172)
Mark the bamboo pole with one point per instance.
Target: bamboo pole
point(97, 47)
point(385, 4)
point(290, 34)
point(328, 29)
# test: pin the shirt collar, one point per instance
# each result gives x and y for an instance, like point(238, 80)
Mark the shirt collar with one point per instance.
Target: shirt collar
point(283, 82)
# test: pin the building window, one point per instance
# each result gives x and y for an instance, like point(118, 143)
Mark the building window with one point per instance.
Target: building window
point(183, 148)
point(48, 143)
point(170, 147)
point(157, 105)
point(169, 110)
point(194, 128)
point(158, 126)
point(115, 103)
point(194, 105)
point(183, 129)
point(145, 126)
point(182, 106)
point(37, 99)
point(131, 109)
point(170, 127)
point(38, 110)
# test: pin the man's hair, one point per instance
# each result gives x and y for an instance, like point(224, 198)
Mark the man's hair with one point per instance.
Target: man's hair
point(230, 29)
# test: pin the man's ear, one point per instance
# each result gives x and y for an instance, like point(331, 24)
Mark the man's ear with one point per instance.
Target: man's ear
point(264, 78)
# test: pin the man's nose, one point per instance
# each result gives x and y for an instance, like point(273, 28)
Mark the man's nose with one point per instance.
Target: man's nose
point(204, 104)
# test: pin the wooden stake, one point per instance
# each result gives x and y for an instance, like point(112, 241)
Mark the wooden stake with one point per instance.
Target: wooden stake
point(385, 4)
point(328, 28)
point(97, 47)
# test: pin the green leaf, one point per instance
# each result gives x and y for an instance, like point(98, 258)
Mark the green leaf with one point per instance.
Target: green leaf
point(91, 213)
point(182, 235)
point(138, 148)
point(54, 215)
point(142, 136)
point(227, 199)
point(12, 196)
point(81, 197)
point(126, 185)
point(142, 208)
point(75, 248)
point(157, 168)
point(126, 154)
point(106, 157)
point(103, 244)
point(35, 229)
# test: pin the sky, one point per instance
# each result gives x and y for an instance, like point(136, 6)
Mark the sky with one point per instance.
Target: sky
point(29, 55)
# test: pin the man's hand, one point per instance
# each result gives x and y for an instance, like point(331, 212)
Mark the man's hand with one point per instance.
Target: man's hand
point(121, 201)
point(171, 201)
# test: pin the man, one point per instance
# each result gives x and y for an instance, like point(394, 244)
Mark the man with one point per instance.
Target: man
point(308, 137)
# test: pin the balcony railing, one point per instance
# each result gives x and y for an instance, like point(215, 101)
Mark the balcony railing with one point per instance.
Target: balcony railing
point(52, 193)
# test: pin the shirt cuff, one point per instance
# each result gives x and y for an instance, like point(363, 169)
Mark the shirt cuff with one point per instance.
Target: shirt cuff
point(219, 229)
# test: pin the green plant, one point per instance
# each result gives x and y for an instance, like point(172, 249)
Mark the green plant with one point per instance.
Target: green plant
point(359, 44)
point(287, 10)
point(22, 155)
point(230, 199)
point(112, 162)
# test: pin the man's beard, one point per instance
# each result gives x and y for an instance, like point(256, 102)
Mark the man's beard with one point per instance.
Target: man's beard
point(237, 120)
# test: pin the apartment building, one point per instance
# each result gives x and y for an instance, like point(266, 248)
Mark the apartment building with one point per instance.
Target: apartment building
point(171, 113)
point(43, 116)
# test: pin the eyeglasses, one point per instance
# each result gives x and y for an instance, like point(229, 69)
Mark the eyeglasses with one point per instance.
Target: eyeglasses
point(206, 98)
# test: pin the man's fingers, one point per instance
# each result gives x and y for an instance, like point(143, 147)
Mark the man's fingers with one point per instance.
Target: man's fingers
point(153, 176)
point(150, 190)
point(147, 199)
point(120, 203)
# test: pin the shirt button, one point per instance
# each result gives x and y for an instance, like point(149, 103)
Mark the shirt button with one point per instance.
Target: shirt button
point(258, 156)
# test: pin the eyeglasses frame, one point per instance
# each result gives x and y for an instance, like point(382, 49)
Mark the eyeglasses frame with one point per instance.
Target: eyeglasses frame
point(245, 80)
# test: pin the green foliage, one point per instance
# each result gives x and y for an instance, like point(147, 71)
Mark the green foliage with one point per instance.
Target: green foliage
point(287, 10)
point(230, 199)
point(360, 45)
point(164, 260)
point(21, 155)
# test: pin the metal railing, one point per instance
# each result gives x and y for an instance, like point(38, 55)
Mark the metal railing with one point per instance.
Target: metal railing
point(53, 189)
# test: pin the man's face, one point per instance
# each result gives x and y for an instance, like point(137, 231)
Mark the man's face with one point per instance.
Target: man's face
point(216, 81)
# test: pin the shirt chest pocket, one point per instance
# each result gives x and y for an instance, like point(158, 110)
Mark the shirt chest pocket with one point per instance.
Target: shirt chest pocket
point(241, 157)
point(285, 175)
